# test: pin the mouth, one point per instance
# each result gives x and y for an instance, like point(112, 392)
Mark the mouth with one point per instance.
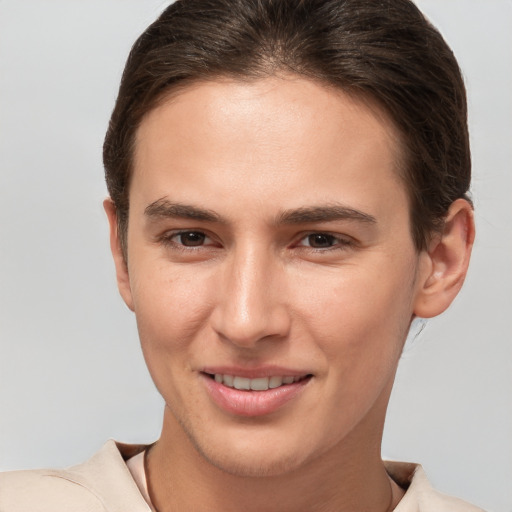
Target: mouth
point(257, 395)
point(256, 384)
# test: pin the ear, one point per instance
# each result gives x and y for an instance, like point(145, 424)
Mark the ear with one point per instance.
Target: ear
point(445, 263)
point(123, 278)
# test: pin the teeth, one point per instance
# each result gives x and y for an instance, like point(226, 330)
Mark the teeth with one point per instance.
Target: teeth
point(275, 382)
point(258, 384)
point(241, 383)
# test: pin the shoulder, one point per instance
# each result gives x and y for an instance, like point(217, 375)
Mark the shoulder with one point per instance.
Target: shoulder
point(420, 496)
point(101, 483)
point(44, 490)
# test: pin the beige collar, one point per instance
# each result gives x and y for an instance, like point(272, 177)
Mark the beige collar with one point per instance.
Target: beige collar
point(107, 477)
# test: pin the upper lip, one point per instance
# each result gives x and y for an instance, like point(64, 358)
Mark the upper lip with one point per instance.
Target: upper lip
point(255, 373)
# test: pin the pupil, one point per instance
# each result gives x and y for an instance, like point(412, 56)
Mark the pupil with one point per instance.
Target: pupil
point(320, 240)
point(192, 238)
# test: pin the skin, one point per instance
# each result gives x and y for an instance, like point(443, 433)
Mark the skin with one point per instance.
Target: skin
point(257, 287)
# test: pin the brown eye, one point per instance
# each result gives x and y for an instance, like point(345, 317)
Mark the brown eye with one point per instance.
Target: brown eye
point(321, 240)
point(191, 238)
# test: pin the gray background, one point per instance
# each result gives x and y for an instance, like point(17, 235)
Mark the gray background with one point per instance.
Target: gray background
point(71, 371)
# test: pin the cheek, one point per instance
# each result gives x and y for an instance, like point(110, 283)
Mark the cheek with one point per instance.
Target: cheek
point(170, 307)
point(358, 324)
point(171, 312)
point(357, 314)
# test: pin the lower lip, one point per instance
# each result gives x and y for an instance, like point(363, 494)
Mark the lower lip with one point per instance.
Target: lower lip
point(252, 403)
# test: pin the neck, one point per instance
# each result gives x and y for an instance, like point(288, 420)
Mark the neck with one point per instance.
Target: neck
point(350, 477)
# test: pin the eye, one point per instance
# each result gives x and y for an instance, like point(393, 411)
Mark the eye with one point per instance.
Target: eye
point(185, 239)
point(320, 240)
point(190, 238)
point(323, 241)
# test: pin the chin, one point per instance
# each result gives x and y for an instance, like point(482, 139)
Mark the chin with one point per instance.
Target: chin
point(248, 453)
point(258, 464)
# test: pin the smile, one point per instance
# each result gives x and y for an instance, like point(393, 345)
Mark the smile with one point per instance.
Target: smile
point(253, 395)
point(257, 384)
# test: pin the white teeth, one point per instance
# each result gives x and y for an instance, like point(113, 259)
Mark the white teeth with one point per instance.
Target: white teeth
point(242, 383)
point(258, 384)
point(275, 382)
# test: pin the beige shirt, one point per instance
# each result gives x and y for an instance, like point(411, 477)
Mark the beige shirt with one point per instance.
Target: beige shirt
point(105, 484)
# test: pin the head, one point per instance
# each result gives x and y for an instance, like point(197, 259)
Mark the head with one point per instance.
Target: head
point(287, 184)
point(383, 52)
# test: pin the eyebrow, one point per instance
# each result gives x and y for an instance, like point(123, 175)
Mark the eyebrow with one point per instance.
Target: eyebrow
point(163, 208)
point(326, 213)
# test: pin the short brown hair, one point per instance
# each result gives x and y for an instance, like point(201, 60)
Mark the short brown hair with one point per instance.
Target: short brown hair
point(385, 50)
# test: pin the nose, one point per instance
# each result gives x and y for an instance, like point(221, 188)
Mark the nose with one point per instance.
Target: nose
point(251, 299)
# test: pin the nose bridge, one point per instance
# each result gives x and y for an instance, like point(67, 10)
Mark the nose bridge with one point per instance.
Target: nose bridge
point(250, 306)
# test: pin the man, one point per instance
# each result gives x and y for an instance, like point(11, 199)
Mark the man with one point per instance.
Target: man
point(288, 192)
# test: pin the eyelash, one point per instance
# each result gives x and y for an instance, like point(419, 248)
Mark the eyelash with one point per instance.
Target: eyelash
point(338, 242)
point(167, 239)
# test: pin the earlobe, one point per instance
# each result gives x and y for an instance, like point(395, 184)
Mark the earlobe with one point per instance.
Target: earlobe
point(444, 265)
point(123, 279)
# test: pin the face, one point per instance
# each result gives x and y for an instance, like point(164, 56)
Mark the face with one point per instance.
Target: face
point(269, 247)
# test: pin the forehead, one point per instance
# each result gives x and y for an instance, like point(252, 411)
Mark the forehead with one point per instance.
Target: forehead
point(284, 134)
point(271, 102)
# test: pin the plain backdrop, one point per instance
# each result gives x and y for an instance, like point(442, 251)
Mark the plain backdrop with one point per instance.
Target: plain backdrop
point(71, 371)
